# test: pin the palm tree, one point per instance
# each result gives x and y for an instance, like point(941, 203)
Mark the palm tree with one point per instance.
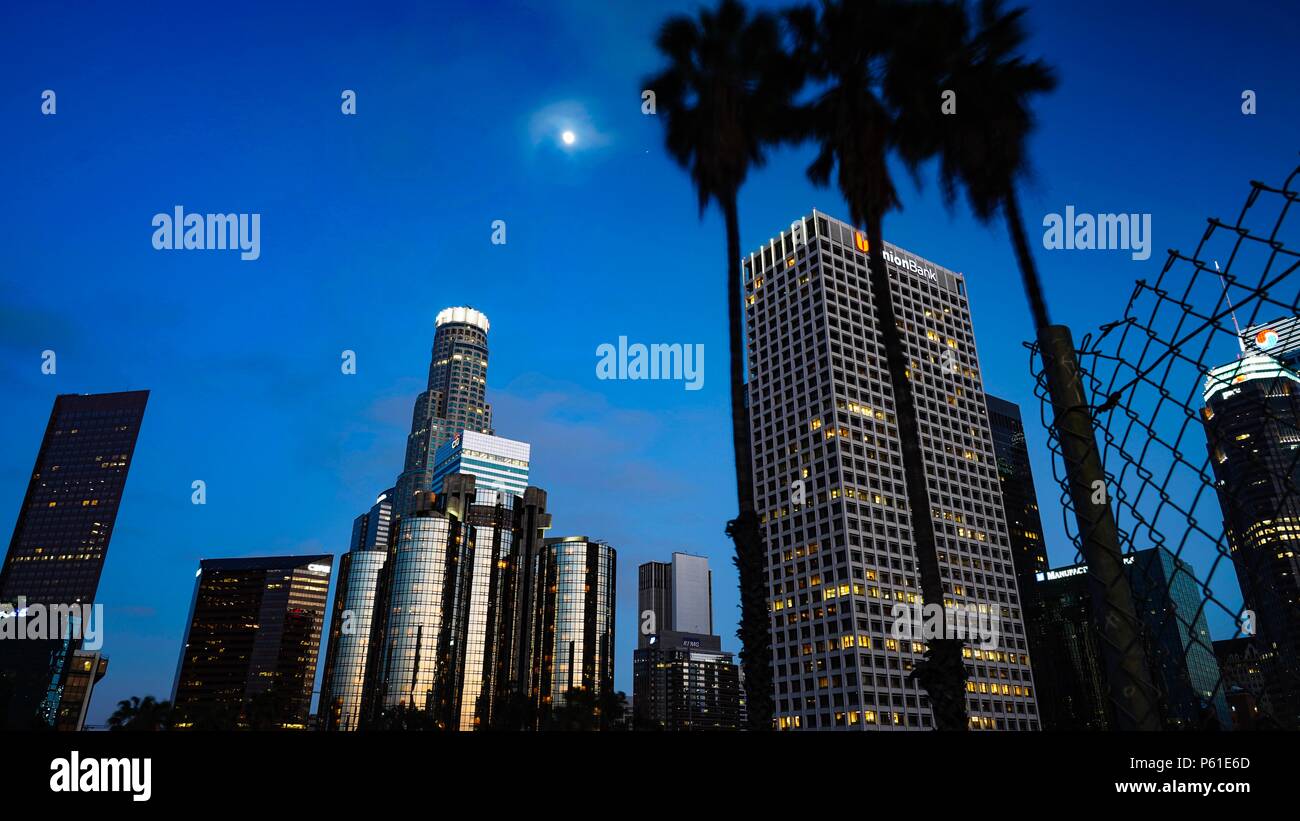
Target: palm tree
point(725, 99)
point(982, 148)
point(850, 50)
point(138, 713)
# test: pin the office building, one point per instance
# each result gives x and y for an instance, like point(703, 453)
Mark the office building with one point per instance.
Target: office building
point(678, 595)
point(499, 470)
point(1019, 499)
point(351, 623)
point(574, 630)
point(422, 648)
point(681, 677)
point(830, 490)
point(454, 400)
point(1252, 426)
point(251, 644)
point(1180, 654)
point(61, 539)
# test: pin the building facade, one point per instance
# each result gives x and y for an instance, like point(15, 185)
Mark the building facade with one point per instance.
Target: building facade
point(1019, 498)
point(61, 539)
point(830, 493)
point(422, 648)
point(251, 644)
point(1252, 426)
point(677, 595)
point(681, 677)
point(87, 669)
point(574, 628)
point(1176, 639)
point(352, 620)
point(454, 401)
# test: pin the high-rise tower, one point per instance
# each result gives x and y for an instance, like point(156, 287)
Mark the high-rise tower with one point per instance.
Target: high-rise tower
point(354, 610)
point(61, 539)
point(1252, 425)
point(250, 650)
point(454, 401)
point(828, 474)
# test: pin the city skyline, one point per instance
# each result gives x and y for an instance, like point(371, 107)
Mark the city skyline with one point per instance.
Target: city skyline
point(243, 356)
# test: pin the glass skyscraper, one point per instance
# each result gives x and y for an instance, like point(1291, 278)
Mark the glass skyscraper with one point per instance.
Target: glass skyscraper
point(1180, 654)
point(830, 493)
point(500, 471)
point(1252, 426)
point(454, 401)
point(61, 539)
point(251, 644)
point(355, 593)
point(574, 629)
point(427, 609)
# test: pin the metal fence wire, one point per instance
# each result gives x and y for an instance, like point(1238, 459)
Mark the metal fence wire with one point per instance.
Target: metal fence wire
point(1194, 399)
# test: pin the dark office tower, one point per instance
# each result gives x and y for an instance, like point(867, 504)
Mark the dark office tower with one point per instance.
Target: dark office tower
point(681, 677)
point(1183, 667)
point(61, 538)
point(1168, 600)
point(422, 656)
point(87, 669)
point(1252, 426)
point(353, 617)
point(249, 657)
point(574, 630)
point(454, 401)
point(830, 492)
point(1068, 666)
point(1019, 499)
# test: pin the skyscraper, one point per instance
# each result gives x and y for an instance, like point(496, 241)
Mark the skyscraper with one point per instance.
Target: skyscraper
point(1019, 499)
point(422, 647)
point(830, 493)
point(681, 677)
point(1178, 648)
point(355, 593)
point(454, 401)
point(1252, 425)
point(61, 539)
point(574, 631)
point(249, 656)
point(499, 471)
point(679, 594)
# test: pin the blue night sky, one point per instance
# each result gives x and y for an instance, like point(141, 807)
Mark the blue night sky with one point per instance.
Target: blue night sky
point(371, 224)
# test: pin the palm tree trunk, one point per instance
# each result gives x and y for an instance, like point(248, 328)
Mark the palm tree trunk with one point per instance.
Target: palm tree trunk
point(755, 628)
point(942, 674)
point(1128, 680)
point(1028, 269)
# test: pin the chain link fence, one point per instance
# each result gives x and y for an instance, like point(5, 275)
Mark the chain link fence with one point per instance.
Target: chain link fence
point(1194, 398)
